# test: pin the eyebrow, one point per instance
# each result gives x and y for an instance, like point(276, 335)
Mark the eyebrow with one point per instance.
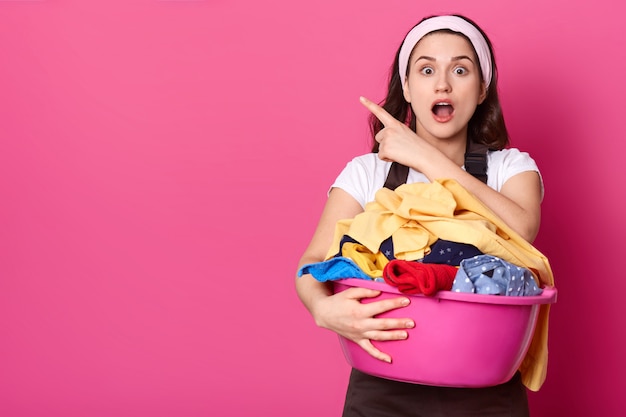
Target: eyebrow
point(454, 58)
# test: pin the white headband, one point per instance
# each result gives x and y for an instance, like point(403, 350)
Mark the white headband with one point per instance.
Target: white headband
point(455, 24)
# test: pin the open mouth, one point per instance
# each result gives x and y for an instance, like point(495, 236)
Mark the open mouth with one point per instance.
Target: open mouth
point(443, 110)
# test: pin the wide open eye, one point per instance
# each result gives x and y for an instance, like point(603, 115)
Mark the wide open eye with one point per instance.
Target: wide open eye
point(460, 71)
point(427, 71)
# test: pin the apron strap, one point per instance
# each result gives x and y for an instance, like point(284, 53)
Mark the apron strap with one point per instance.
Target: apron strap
point(397, 176)
point(476, 160)
point(475, 164)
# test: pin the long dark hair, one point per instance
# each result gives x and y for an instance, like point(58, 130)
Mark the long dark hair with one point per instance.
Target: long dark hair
point(486, 126)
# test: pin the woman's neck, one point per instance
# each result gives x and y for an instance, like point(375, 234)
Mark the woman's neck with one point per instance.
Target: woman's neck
point(454, 148)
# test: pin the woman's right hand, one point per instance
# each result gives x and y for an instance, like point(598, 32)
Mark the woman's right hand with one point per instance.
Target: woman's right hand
point(344, 314)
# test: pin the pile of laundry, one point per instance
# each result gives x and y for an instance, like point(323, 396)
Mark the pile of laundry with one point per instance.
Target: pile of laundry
point(427, 237)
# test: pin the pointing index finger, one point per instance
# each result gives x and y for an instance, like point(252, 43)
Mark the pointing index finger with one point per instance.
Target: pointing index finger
point(381, 114)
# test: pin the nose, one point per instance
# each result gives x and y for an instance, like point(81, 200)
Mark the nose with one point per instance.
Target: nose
point(443, 83)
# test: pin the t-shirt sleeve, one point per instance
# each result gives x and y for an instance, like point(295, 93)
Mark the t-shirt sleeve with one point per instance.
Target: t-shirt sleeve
point(505, 164)
point(354, 179)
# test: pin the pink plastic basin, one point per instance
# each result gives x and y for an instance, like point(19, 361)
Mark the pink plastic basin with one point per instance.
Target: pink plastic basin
point(459, 339)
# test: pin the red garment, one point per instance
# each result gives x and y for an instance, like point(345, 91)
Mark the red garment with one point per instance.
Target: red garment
point(413, 277)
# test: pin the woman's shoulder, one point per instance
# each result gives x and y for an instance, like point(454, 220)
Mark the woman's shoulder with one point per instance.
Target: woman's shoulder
point(512, 160)
point(508, 155)
point(367, 160)
point(368, 165)
point(506, 163)
point(362, 176)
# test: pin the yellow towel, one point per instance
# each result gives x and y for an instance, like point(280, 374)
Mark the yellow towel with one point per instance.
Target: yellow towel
point(371, 263)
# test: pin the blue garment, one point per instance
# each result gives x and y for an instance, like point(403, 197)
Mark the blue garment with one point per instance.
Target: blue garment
point(450, 253)
point(332, 269)
point(486, 274)
point(441, 252)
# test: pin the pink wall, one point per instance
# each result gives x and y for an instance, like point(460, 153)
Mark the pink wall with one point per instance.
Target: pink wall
point(163, 164)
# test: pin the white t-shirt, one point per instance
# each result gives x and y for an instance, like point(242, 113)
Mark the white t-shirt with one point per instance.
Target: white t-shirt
point(366, 174)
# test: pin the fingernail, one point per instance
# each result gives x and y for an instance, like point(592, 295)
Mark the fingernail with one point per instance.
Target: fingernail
point(410, 324)
point(388, 360)
point(405, 301)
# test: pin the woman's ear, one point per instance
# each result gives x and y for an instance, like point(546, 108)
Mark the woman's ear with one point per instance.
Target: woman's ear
point(405, 91)
point(483, 93)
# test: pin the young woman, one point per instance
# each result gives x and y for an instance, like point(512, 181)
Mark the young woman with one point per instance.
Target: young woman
point(442, 95)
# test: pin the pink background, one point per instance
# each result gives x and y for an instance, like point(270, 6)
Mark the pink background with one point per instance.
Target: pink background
point(163, 165)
